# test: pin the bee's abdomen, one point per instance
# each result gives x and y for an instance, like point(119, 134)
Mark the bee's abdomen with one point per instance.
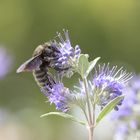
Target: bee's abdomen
point(41, 77)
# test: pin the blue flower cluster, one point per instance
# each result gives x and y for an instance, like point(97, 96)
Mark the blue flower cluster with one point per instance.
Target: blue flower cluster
point(66, 54)
point(110, 83)
point(59, 95)
point(106, 83)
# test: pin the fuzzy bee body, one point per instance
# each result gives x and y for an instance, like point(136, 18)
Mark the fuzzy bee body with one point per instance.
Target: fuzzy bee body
point(39, 63)
point(42, 77)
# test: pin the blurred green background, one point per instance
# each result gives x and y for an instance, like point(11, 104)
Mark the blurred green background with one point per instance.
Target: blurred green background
point(110, 29)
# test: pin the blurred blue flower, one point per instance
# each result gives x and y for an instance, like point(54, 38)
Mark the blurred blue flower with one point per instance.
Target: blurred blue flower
point(126, 130)
point(109, 83)
point(129, 112)
point(120, 132)
point(130, 100)
point(59, 95)
point(5, 62)
point(135, 84)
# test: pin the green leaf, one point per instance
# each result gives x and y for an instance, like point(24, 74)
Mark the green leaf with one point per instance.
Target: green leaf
point(91, 66)
point(83, 65)
point(64, 115)
point(108, 108)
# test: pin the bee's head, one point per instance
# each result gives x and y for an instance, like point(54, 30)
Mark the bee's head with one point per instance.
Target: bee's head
point(43, 49)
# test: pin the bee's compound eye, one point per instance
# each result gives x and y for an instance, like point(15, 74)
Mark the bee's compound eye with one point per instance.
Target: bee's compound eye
point(49, 47)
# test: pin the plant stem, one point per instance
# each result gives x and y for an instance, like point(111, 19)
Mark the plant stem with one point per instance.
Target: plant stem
point(88, 101)
point(85, 115)
point(90, 113)
point(90, 132)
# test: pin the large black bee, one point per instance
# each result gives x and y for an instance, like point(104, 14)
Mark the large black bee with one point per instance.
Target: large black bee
point(41, 60)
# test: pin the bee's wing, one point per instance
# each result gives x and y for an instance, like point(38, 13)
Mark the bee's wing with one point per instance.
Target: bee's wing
point(30, 65)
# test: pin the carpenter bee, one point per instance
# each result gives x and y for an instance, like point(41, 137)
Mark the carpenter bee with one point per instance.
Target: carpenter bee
point(41, 60)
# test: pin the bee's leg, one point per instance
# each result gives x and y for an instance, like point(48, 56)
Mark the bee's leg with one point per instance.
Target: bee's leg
point(47, 58)
point(51, 80)
point(60, 68)
point(48, 51)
